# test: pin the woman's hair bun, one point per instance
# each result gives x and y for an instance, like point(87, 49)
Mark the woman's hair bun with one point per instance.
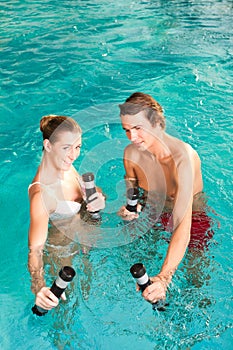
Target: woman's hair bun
point(45, 120)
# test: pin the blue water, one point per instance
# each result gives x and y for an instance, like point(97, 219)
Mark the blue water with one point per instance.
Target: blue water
point(83, 58)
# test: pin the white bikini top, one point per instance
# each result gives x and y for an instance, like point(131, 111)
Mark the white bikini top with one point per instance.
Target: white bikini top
point(64, 209)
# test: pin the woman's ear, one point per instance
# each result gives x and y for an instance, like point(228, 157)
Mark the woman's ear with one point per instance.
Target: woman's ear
point(47, 145)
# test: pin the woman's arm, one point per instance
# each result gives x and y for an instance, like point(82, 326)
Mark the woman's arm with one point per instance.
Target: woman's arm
point(36, 239)
point(38, 230)
point(97, 200)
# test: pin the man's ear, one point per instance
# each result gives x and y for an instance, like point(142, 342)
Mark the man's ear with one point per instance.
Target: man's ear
point(47, 145)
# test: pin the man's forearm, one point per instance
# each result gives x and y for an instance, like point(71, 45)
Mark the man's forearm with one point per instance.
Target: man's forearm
point(175, 253)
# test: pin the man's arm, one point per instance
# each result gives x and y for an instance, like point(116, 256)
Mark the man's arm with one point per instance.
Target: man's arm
point(177, 246)
point(129, 165)
point(130, 181)
point(182, 217)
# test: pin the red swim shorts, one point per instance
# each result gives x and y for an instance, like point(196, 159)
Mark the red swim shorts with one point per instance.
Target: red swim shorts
point(201, 229)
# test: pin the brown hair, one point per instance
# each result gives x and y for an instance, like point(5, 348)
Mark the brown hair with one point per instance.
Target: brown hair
point(52, 125)
point(138, 102)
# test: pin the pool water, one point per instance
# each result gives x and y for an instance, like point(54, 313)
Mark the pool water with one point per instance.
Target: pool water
point(83, 58)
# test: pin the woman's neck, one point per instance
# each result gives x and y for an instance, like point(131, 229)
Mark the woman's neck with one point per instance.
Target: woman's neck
point(48, 172)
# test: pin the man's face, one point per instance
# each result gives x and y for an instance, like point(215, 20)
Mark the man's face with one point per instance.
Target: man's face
point(139, 130)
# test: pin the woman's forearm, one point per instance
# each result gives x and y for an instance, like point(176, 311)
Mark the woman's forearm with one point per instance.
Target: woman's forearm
point(36, 268)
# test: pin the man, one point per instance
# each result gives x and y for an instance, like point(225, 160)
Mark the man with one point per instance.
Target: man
point(158, 162)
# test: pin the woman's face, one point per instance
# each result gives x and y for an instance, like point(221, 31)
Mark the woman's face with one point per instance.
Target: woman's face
point(65, 150)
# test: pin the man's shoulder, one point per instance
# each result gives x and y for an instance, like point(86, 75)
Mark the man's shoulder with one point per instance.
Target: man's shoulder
point(185, 154)
point(131, 151)
point(131, 148)
point(181, 148)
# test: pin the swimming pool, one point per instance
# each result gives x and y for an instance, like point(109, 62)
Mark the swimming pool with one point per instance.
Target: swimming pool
point(82, 59)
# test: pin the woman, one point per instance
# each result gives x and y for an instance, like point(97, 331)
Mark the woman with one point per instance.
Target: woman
point(170, 168)
point(56, 193)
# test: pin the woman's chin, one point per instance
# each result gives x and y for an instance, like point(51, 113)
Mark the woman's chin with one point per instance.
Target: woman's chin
point(66, 166)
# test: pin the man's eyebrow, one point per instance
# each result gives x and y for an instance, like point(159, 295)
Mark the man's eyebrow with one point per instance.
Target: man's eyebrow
point(133, 127)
